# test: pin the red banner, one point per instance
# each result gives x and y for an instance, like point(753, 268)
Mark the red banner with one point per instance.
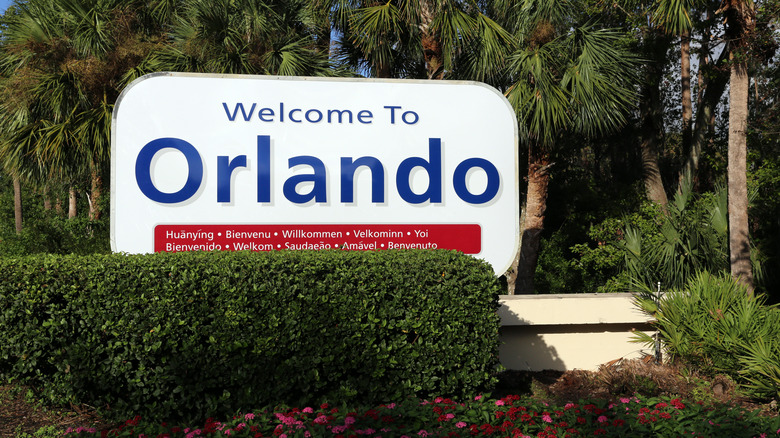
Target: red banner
point(466, 238)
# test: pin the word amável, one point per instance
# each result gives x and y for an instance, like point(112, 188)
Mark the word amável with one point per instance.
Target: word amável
point(349, 165)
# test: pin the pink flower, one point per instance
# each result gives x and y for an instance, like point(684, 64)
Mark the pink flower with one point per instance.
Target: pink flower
point(249, 416)
point(422, 432)
point(449, 416)
point(349, 420)
point(308, 410)
point(477, 398)
point(546, 418)
point(391, 406)
point(460, 425)
point(227, 432)
point(625, 400)
point(602, 419)
point(321, 419)
point(499, 403)
point(569, 406)
point(438, 400)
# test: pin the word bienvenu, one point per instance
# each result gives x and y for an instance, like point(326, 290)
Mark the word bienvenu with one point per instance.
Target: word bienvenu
point(319, 178)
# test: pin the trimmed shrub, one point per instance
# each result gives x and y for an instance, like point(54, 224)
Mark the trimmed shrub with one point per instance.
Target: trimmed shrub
point(190, 335)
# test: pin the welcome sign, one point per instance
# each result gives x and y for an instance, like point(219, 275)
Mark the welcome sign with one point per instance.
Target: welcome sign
point(223, 163)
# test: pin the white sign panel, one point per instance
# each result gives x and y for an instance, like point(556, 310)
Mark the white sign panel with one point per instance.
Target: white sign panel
point(204, 162)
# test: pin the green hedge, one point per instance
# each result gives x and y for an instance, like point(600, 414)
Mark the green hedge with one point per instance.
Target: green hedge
point(190, 335)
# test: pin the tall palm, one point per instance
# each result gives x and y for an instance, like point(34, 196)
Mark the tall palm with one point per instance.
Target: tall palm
point(740, 27)
point(565, 77)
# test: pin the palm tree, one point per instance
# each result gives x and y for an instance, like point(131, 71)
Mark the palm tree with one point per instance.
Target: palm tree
point(565, 77)
point(558, 74)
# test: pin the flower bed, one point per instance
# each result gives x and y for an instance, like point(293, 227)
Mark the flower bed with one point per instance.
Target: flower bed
point(510, 416)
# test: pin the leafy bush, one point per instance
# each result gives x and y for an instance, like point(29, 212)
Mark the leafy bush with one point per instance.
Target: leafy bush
point(52, 234)
point(195, 334)
point(714, 323)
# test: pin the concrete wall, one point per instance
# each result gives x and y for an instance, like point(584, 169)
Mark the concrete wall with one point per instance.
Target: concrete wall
point(564, 332)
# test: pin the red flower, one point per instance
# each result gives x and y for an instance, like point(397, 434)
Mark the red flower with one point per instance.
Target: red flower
point(618, 422)
point(599, 432)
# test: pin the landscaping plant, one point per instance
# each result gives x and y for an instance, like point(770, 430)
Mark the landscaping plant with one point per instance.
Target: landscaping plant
point(715, 324)
point(190, 335)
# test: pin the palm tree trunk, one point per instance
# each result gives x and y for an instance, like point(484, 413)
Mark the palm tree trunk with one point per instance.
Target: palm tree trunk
point(97, 186)
point(685, 82)
point(651, 115)
point(531, 229)
point(17, 204)
point(511, 274)
point(71, 202)
point(431, 44)
point(740, 19)
point(713, 84)
point(739, 242)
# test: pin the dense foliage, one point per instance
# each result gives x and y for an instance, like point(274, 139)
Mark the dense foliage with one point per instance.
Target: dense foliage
point(190, 335)
point(713, 323)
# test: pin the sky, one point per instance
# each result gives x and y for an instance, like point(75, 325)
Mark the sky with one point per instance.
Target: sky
point(4, 4)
